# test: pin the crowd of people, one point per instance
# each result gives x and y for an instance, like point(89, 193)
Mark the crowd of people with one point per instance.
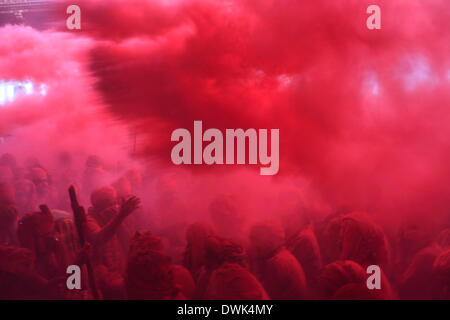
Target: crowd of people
point(132, 258)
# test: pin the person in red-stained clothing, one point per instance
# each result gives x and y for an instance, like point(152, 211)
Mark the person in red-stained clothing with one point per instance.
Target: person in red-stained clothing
point(8, 215)
point(197, 235)
point(18, 276)
point(104, 222)
point(278, 270)
point(150, 273)
point(51, 257)
point(225, 275)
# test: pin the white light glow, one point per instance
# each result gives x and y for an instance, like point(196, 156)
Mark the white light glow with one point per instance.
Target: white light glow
point(28, 88)
point(43, 89)
point(285, 80)
point(416, 71)
point(371, 84)
point(10, 90)
point(2, 94)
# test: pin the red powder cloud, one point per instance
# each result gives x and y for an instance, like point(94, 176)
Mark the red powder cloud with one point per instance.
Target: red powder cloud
point(363, 114)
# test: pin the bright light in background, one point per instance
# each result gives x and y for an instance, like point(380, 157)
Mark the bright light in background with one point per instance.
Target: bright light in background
point(285, 80)
point(371, 85)
point(28, 88)
point(2, 94)
point(10, 90)
point(415, 70)
point(43, 89)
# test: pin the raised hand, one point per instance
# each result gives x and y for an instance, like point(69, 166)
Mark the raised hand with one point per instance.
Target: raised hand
point(129, 206)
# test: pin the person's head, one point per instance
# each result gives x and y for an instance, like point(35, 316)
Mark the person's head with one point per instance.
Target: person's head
point(103, 198)
point(40, 179)
point(145, 241)
point(149, 273)
point(220, 250)
point(199, 232)
point(338, 274)
point(104, 203)
point(355, 236)
point(36, 232)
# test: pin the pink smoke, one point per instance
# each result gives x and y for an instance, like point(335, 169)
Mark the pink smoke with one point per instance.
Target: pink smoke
point(362, 114)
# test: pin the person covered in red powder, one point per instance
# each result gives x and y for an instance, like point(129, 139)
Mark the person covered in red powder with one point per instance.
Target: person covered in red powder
point(346, 280)
point(26, 198)
point(441, 275)
point(302, 243)
point(354, 236)
point(416, 282)
point(278, 270)
point(427, 276)
point(225, 276)
point(43, 185)
point(18, 276)
point(409, 240)
point(37, 233)
point(8, 215)
point(150, 273)
point(124, 190)
point(104, 232)
point(197, 235)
